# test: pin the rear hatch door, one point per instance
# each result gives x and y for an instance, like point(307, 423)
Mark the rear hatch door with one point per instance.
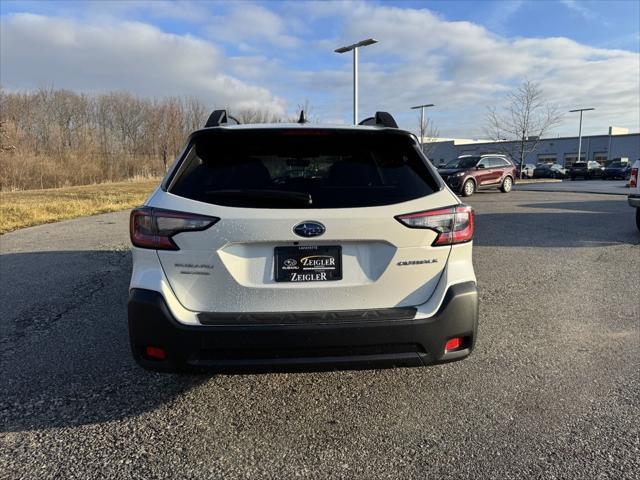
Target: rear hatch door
point(307, 222)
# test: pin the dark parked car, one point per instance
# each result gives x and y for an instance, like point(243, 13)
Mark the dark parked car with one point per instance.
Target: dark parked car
point(617, 170)
point(586, 170)
point(469, 173)
point(544, 170)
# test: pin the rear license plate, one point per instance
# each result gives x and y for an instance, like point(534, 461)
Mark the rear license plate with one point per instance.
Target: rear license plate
point(308, 263)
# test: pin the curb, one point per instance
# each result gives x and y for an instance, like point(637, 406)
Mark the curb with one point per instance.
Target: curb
point(558, 190)
point(531, 181)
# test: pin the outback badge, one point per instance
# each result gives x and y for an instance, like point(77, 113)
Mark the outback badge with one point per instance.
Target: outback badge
point(417, 262)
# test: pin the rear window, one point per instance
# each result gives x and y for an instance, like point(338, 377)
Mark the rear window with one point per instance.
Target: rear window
point(302, 169)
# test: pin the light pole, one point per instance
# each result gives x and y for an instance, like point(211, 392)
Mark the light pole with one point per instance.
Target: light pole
point(580, 129)
point(422, 107)
point(354, 47)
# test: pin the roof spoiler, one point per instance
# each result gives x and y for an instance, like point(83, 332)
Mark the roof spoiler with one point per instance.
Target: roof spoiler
point(220, 117)
point(381, 119)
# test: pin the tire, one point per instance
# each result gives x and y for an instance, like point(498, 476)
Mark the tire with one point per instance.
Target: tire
point(573, 178)
point(638, 218)
point(507, 185)
point(468, 188)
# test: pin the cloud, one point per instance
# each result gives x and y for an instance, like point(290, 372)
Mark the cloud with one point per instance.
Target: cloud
point(48, 51)
point(499, 15)
point(580, 8)
point(180, 10)
point(282, 54)
point(184, 10)
point(462, 68)
point(250, 24)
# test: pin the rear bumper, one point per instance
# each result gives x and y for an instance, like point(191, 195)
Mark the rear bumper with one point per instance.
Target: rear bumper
point(327, 344)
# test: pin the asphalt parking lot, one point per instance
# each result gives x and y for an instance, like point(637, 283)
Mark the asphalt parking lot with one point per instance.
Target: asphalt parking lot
point(552, 390)
point(609, 187)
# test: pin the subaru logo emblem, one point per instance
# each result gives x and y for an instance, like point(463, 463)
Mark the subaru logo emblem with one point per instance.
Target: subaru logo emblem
point(309, 229)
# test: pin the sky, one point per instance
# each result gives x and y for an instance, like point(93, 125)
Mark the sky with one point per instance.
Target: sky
point(463, 56)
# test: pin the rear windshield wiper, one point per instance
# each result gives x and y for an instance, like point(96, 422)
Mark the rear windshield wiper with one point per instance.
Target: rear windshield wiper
point(296, 198)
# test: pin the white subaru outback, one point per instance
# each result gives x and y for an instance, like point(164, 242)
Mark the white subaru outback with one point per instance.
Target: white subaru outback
point(299, 246)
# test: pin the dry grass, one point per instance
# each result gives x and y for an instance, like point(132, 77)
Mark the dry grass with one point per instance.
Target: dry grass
point(34, 207)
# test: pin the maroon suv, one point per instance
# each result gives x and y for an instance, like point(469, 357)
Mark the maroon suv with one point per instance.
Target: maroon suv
point(469, 173)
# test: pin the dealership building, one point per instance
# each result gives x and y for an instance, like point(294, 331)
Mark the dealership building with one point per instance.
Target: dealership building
point(617, 144)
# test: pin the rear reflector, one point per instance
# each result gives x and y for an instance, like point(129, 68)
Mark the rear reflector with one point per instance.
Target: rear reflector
point(153, 227)
point(155, 353)
point(453, 224)
point(453, 344)
point(633, 182)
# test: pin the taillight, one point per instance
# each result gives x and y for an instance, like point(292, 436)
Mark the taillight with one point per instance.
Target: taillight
point(153, 227)
point(453, 224)
point(633, 182)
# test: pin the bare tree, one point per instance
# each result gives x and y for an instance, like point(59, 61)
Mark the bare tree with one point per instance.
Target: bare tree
point(524, 120)
point(52, 138)
point(255, 115)
point(428, 135)
point(196, 114)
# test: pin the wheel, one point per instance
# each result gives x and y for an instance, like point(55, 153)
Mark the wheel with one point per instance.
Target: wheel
point(638, 218)
point(468, 188)
point(507, 185)
point(573, 178)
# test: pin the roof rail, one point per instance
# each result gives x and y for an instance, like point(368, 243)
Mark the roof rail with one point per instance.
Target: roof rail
point(497, 154)
point(381, 119)
point(220, 117)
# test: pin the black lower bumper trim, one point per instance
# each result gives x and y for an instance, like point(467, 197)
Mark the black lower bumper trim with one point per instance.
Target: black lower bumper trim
point(306, 318)
point(375, 340)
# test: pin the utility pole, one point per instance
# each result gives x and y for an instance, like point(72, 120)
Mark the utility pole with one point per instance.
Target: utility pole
point(580, 129)
point(355, 47)
point(355, 86)
point(522, 142)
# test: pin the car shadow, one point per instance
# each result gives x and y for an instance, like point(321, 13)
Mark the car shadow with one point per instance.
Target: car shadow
point(559, 224)
point(64, 348)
